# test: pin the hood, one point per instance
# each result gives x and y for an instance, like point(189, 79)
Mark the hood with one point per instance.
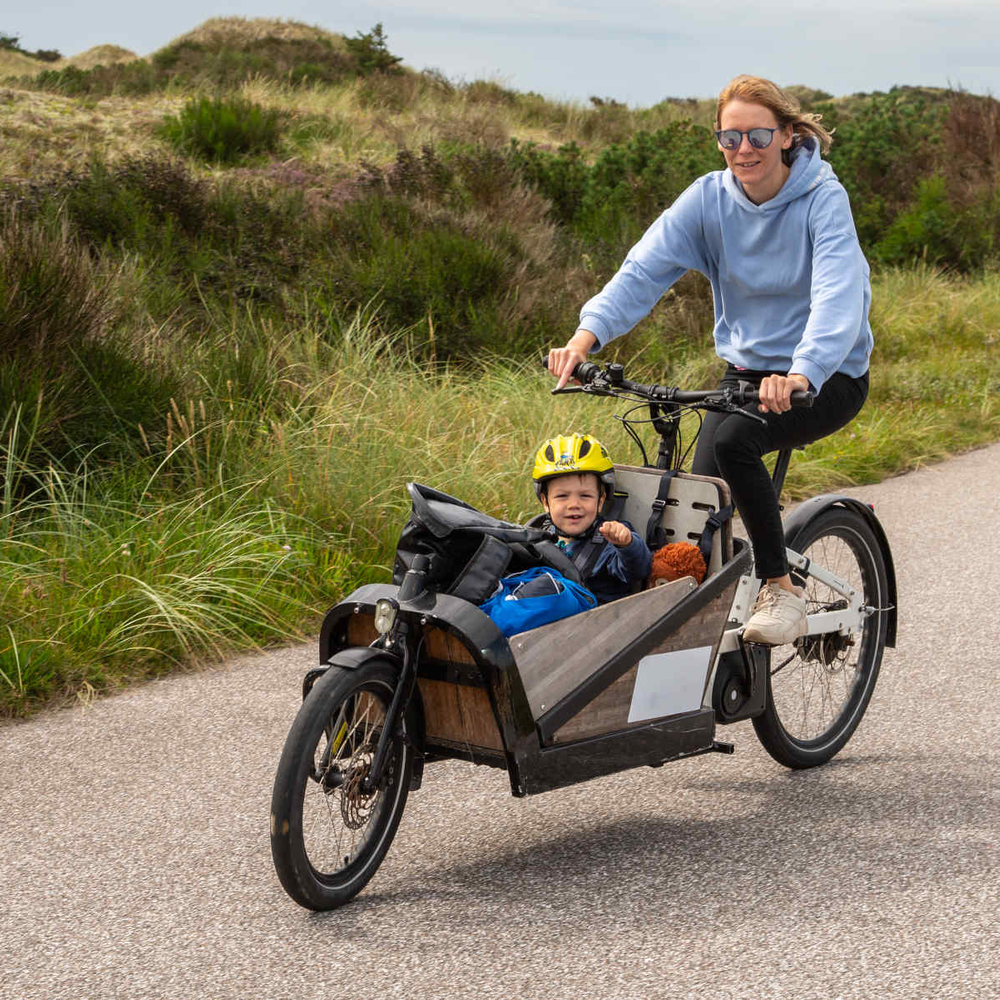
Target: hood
point(808, 171)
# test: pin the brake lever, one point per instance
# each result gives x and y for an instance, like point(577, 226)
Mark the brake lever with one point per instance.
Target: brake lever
point(752, 416)
point(728, 406)
point(593, 389)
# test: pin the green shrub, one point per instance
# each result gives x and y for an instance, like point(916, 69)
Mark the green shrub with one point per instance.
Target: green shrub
point(631, 183)
point(611, 202)
point(132, 79)
point(63, 361)
point(454, 288)
point(561, 176)
point(222, 130)
point(51, 294)
point(934, 231)
point(371, 52)
point(199, 244)
point(415, 269)
point(880, 152)
point(145, 205)
point(469, 175)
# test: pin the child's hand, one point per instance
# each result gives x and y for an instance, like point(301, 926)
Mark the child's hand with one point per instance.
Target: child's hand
point(616, 533)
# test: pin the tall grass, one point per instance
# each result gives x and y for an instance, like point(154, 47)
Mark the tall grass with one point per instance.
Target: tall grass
point(245, 516)
point(218, 377)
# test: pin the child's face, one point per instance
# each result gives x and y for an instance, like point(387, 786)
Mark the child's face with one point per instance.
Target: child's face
point(573, 501)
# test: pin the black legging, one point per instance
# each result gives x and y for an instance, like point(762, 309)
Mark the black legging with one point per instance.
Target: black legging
point(732, 447)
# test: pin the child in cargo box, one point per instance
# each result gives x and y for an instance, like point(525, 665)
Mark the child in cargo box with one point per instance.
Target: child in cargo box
point(574, 478)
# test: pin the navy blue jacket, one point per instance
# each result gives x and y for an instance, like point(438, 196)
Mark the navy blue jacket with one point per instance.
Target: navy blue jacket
point(618, 572)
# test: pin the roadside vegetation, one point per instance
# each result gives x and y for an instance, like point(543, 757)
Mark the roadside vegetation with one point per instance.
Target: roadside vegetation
point(252, 284)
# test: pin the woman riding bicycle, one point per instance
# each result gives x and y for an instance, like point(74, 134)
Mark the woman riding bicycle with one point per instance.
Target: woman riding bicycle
point(774, 235)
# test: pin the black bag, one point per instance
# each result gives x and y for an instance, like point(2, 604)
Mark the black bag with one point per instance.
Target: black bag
point(468, 550)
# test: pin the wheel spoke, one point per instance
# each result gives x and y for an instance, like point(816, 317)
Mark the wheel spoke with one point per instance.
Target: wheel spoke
point(335, 830)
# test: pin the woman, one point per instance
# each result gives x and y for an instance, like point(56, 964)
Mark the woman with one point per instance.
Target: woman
point(775, 236)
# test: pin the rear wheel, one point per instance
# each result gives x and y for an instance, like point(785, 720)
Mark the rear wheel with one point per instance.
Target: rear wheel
point(819, 687)
point(328, 834)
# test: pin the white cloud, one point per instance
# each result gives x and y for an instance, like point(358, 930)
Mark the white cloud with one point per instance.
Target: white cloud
point(634, 50)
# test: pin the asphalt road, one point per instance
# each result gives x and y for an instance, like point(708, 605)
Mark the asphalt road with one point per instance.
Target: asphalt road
point(134, 858)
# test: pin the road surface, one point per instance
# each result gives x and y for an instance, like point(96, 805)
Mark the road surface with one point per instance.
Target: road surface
point(134, 858)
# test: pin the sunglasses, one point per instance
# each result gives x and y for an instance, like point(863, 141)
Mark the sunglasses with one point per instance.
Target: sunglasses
point(732, 138)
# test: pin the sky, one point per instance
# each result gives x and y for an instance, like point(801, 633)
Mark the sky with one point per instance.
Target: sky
point(634, 51)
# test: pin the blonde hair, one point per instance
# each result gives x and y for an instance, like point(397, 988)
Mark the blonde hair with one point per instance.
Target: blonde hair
point(784, 107)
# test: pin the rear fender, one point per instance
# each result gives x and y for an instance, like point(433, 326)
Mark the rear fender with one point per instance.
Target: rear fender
point(796, 522)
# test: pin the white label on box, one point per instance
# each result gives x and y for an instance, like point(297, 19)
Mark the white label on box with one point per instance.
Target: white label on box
point(669, 683)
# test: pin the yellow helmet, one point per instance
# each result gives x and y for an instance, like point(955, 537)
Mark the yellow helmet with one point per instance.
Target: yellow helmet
point(573, 453)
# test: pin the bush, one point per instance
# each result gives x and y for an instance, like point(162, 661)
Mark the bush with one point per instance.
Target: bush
point(935, 231)
point(611, 202)
point(561, 177)
point(140, 204)
point(222, 130)
point(63, 362)
point(132, 79)
point(889, 142)
point(454, 285)
point(200, 243)
point(51, 294)
point(371, 52)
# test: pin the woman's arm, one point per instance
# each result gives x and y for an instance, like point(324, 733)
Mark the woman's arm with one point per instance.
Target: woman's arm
point(837, 295)
point(672, 244)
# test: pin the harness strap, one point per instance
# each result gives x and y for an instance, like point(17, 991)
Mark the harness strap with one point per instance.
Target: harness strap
point(713, 522)
point(586, 555)
point(656, 537)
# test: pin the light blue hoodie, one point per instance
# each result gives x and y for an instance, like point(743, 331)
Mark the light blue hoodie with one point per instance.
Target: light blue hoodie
point(789, 281)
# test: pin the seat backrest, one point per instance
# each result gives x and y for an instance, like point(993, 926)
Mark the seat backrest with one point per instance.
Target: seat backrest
point(690, 500)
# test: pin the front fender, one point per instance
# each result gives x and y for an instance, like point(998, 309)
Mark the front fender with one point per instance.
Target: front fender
point(796, 522)
point(350, 658)
point(355, 657)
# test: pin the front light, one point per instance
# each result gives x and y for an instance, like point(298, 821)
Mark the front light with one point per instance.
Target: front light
point(385, 615)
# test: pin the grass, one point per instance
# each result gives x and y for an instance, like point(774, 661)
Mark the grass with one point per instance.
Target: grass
point(220, 376)
point(237, 526)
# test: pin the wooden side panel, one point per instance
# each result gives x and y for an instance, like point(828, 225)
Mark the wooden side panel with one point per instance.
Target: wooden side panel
point(438, 644)
point(556, 658)
point(361, 630)
point(441, 645)
point(460, 716)
point(609, 710)
point(455, 714)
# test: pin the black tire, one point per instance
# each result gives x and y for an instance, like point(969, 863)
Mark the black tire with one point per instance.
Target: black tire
point(819, 688)
point(327, 837)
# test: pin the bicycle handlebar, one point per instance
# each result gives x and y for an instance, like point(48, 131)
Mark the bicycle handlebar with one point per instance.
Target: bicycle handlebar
point(612, 379)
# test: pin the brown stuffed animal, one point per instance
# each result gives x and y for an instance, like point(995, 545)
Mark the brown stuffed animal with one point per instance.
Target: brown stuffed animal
point(676, 560)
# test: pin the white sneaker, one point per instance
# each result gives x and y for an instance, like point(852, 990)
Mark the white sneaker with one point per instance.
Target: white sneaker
point(779, 616)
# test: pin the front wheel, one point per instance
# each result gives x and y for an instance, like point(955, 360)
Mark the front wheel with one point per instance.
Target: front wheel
point(819, 688)
point(328, 834)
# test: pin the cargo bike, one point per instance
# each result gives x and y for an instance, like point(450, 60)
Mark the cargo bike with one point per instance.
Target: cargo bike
point(413, 672)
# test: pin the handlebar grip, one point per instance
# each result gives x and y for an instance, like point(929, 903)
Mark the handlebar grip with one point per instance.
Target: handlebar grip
point(585, 372)
point(803, 397)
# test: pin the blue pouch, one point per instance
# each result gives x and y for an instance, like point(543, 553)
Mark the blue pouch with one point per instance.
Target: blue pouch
point(527, 600)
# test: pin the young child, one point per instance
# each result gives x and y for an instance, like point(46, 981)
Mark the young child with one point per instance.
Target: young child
point(574, 477)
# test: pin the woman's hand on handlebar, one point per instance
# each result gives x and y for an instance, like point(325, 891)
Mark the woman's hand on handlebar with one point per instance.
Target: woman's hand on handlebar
point(775, 392)
point(563, 360)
